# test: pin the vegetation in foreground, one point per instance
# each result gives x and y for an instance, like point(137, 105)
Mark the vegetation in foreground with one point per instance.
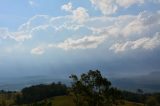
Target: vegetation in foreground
point(90, 89)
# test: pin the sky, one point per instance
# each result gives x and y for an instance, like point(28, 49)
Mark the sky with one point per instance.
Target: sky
point(121, 38)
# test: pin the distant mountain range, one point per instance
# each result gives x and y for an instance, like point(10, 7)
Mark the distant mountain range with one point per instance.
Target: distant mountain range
point(149, 83)
point(16, 84)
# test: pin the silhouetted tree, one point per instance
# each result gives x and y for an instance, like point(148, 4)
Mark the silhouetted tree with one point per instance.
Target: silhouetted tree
point(139, 91)
point(92, 89)
point(142, 96)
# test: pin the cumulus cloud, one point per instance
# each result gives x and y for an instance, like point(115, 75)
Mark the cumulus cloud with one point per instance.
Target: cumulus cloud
point(82, 43)
point(127, 3)
point(111, 6)
point(142, 23)
point(73, 21)
point(126, 25)
point(113, 27)
point(44, 22)
point(38, 50)
point(144, 43)
point(18, 36)
point(35, 21)
point(71, 30)
point(67, 7)
point(80, 15)
point(105, 6)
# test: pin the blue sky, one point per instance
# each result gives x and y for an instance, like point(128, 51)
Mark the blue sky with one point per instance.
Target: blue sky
point(59, 37)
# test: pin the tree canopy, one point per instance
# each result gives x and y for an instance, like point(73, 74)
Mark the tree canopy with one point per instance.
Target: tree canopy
point(92, 89)
point(40, 92)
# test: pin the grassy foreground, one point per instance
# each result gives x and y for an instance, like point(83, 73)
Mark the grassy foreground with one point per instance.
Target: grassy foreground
point(67, 101)
point(56, 101)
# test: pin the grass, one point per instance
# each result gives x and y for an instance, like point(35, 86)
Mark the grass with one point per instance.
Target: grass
point(131, 104)
point(8, 100)
point(63, 101)
point(67, 101)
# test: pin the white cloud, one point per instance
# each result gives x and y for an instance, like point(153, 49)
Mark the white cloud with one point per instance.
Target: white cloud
point(43, 22)
point(116, 28)
point(111, 6)
point(127, 3)
point(126, 26)
point(105, 6)
point(142, 23)
point(20, 36)
point(133, 27)
point(82, 43)
point(144, 43)
point(35, 21)
point(80, 15)
point(38, 50)
point(67, 7)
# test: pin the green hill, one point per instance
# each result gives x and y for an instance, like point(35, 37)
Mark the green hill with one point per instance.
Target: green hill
point(8, 100)
point(68, 101)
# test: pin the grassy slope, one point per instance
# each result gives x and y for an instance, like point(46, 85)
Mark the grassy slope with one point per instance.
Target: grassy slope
point(63, 101)
point(7, 99)
point(67, 101)
point(56, 101)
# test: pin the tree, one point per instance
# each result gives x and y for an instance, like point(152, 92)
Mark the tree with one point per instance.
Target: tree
point(92, 89)
point(141, 95)
point(40, 92)
point(140, 91)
